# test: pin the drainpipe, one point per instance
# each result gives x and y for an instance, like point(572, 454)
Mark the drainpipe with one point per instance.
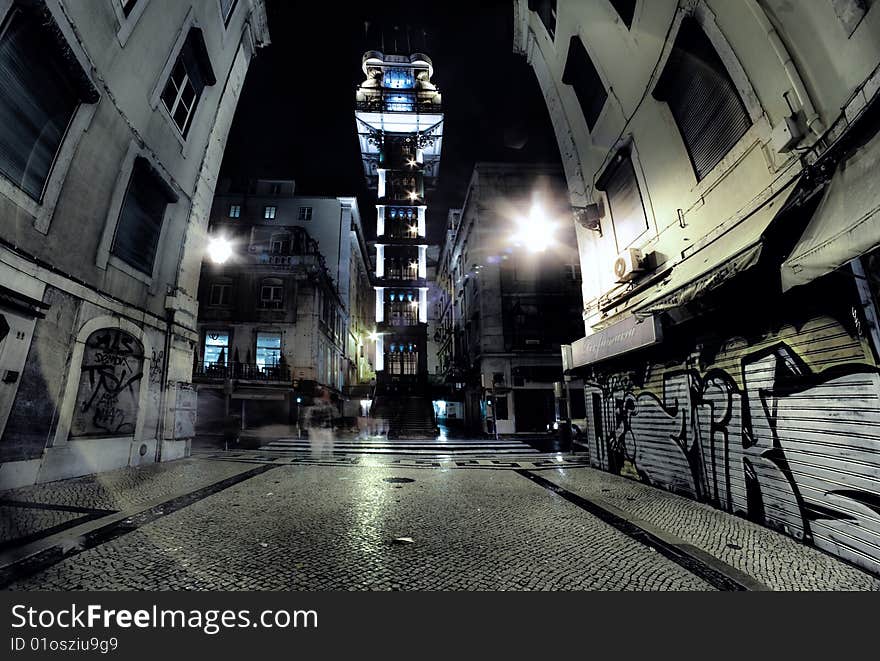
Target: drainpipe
point(814, 122)
point(163, 391)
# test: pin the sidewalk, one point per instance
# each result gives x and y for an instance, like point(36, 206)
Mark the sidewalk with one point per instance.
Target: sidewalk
point(777, 561)
point(34, 514)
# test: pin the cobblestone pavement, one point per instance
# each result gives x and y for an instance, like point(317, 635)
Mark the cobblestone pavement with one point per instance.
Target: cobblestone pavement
point(776, 560)
point(374, 526)
point(31, 510)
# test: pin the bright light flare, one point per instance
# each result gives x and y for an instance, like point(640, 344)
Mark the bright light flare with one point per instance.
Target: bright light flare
point(535, 231)
point(219, 249)
point(373, 336)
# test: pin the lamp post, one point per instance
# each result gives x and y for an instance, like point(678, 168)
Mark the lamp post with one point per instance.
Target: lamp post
point(535, 231)
point(219, 249)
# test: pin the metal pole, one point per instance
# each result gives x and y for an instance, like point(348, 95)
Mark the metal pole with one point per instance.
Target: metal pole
point(495, 410)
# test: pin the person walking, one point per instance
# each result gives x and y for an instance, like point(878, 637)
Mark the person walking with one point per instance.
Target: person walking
point(319, 422)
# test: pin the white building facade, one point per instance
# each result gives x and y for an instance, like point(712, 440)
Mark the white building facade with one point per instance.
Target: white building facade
point(289, 312)
point(115, 117)
point(717, 157)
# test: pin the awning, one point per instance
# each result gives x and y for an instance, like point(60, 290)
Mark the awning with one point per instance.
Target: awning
point(846, 224)
point(730, 253)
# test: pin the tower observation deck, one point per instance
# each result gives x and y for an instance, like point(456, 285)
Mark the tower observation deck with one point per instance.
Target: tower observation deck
point(400, 129)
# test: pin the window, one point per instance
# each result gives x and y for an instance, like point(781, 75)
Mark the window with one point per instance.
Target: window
point(581, 73)
point(140, 221)
point(624, 199)
point(42, 88)
point(546, 10)
point(216, 348)
point(220, 294)
point(271, 294)
point(573, 272)
point(280, 244)
point(268, 349)
point(305, 213)
point(626, 9)
point(398, 78)
point(127, 6)
point(703, 99)
point(269, 213)
point(275, 189)
point(235, 211)
point(226, 8)
point(410, 362)
point(192, 72)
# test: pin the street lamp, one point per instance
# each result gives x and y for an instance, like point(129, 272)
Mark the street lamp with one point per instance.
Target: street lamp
point(535, 231)
point(219, 249)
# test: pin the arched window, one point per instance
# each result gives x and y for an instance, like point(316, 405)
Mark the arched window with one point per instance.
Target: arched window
point(109, 386)
point(702, 97)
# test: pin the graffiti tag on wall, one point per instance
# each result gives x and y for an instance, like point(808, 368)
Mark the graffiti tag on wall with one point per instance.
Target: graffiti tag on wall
point(791, 449)
point(109, 387)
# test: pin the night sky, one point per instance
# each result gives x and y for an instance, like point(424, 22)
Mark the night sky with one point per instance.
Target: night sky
point(295, 119)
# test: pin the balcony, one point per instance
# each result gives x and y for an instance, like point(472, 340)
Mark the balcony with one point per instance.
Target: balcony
point(398, 100)
point(243, 372)
point(282, 261)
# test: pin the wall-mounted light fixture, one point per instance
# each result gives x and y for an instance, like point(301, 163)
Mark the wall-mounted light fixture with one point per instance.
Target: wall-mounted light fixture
point(590, 217)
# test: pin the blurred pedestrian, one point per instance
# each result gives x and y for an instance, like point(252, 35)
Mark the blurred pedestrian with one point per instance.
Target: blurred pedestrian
point(319, 421)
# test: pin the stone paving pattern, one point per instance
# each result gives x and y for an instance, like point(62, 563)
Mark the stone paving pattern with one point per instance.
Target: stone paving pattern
point(318, 528)
point(332, 527)
point(128, 487)
point(776, 560)
point(17, 522)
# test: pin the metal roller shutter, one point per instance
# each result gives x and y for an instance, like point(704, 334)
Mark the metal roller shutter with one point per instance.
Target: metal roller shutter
point(702, 98)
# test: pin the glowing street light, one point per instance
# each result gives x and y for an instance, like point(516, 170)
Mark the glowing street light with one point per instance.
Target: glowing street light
point(219, 249)
point(535, 231)
point(413, 195)
point(373, 336)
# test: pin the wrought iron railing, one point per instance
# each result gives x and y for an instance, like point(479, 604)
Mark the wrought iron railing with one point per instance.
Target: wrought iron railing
point(243, 371)
point(398, 101)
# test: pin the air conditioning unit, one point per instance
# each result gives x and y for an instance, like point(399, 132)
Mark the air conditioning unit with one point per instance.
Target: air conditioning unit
point(628, 265)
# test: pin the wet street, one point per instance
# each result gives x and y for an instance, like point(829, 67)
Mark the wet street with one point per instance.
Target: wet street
point(390, 516)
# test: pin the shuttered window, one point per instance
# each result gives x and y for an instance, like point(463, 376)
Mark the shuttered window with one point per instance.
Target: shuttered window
point(581, 74)
point(140, 222)
point(626, 9)
point(41, 89)
point(624, 199)
point(703, 99)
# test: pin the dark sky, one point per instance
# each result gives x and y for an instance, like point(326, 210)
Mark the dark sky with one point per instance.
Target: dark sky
point(295, 119)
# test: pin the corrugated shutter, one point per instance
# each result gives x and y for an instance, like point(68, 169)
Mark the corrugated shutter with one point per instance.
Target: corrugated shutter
point(140, 222)
point(39, 99)
point(624, 198)
point(702, 98)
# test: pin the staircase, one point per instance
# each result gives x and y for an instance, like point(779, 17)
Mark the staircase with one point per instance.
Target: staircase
point(409, 416)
